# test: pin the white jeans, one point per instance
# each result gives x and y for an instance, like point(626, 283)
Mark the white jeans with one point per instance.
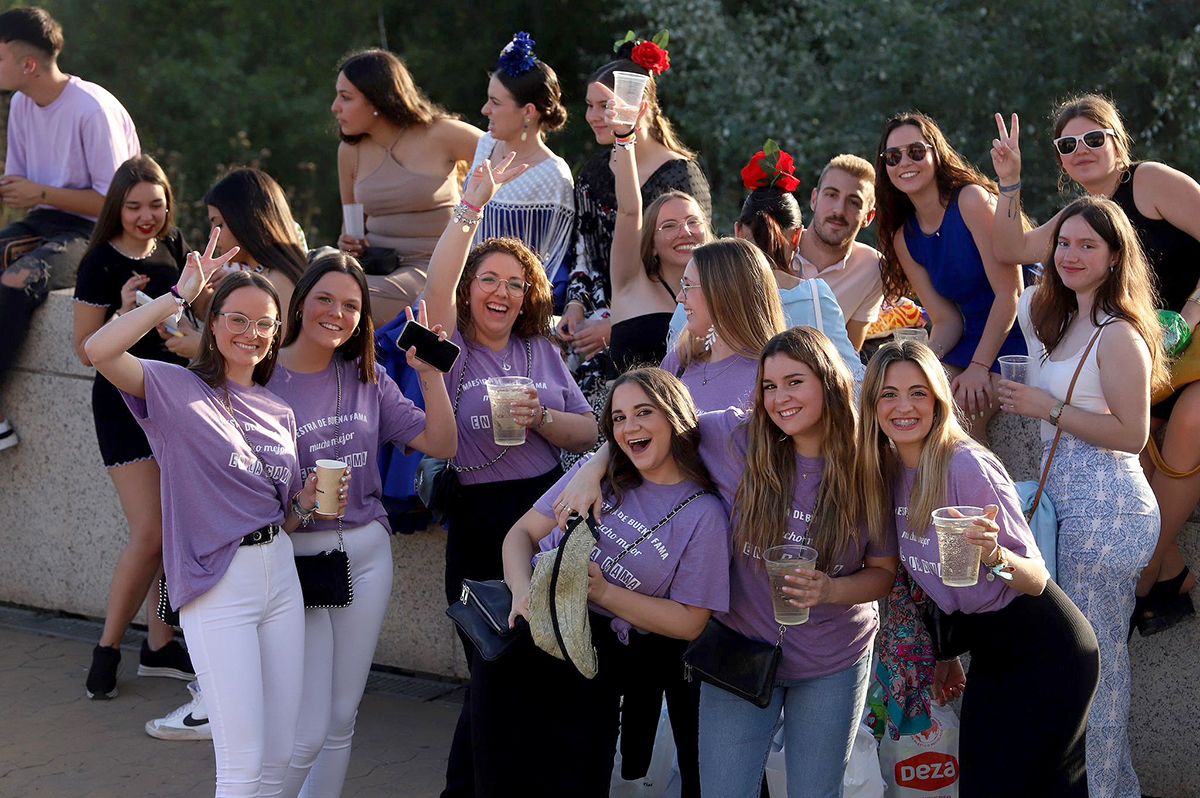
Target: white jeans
point(246, 640)
point(339, 645)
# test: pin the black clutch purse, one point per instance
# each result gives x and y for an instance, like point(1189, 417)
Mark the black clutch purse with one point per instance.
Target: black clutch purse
point(325, 579)
point(734, 662)
point(482, 615)
point(947, 633)
point(380, 261)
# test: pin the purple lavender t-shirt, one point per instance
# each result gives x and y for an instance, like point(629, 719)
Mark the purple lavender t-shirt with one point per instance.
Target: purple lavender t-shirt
point(686, 559)
point(214, 489)
point(836, 636)
point(369, 413)
point(556, 390)
point(976, 478)
point(716, 386)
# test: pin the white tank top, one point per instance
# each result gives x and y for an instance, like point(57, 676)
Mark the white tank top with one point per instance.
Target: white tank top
point(1054, 376)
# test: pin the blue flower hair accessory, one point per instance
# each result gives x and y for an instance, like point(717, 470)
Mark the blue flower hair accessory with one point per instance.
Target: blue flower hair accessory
point(517, 57)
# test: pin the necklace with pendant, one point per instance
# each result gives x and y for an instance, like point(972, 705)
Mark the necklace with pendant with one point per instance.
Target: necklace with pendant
point(705, 379)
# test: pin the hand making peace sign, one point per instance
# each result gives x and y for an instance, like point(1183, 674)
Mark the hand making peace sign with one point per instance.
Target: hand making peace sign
point(1006, 151)
point(199, 269)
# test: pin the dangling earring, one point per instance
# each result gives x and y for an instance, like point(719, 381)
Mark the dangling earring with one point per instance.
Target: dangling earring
point(376, 113)
point(710, 339)
point(525, 130)
point(355, 333)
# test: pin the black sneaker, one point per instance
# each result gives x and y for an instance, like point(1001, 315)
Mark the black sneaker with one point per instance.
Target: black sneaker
point(171, 662)
point(102, 676)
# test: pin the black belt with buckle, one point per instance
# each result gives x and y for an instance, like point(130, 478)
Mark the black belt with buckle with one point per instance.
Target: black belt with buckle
point(261, 536)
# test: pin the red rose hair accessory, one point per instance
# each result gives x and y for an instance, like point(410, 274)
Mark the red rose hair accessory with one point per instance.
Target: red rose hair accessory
point(770, 166)
point(649, 55)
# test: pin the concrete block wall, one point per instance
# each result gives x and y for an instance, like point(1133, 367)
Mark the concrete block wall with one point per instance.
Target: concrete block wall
point(61, 530)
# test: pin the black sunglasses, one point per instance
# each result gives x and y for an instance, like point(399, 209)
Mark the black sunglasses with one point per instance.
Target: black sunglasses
point(1094, 139)
point(916, 152)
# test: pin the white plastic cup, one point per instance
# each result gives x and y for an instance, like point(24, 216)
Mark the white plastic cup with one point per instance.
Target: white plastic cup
point(329, 480)
point(959, 558)
point(353, 222)
point(781, 561)
point(629, 87)
point(1014, 367)
point(918, 334)
point(502, 392)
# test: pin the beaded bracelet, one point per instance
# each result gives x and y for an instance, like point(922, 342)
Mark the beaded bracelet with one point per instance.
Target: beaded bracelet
point(466, 215)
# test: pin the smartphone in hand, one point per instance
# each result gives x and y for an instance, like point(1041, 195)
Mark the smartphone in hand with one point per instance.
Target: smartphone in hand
point(434, 351)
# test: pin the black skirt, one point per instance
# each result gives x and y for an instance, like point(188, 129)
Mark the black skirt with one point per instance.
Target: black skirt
point(120, 437)
point(1034, 669)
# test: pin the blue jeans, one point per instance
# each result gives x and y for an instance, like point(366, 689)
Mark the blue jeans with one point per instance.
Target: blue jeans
point(819, 720)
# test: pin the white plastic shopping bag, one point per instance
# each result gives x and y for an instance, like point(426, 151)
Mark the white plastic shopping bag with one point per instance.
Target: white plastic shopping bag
point(923, 765)
point(862, 778)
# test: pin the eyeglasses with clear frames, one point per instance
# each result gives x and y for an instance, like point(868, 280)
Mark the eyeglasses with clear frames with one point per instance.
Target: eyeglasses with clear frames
point(491, 282)
point(685, 286)
point(238, 323)
point(693, 223)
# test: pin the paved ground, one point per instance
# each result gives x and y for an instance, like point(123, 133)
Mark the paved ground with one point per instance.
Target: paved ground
point(55, 743)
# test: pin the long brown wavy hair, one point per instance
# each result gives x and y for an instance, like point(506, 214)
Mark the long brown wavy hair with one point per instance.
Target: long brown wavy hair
point(1104, 113)
point(1127, 292)
point(538, 305)
point(209, 365)
point(138, 169)
point(742, 297)
point(671, 398)
point(769, 481)
point(951, 171)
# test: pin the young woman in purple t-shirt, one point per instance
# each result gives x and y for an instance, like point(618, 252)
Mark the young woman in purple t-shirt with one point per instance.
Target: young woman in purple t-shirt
point(659, 569)
point(226, 448)
point(494, 301)
point(1026, 639)
point(345, 407)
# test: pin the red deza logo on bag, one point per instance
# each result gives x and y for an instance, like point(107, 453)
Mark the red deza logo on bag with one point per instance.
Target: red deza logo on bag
point(927, 772)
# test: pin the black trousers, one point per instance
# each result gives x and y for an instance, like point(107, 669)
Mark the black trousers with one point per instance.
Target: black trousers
point(1034, 669)
point(662, 672)
point(477, 521)
point(50, 265)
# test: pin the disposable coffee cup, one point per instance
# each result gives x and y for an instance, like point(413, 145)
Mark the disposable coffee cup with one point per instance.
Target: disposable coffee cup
point(329, 480)
point(781, 561)
point(628, 88)
point(1014, 367)
point(502, 392)
point(959, 558)
point(918, 334)
point(353, 223)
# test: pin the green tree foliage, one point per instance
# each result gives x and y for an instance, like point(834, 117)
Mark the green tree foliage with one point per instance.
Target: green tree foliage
point(822, 77)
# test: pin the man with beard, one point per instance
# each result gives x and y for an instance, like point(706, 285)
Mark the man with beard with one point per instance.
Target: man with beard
point(843, 203)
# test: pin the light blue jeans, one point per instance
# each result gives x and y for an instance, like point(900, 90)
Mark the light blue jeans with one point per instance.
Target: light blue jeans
point(820, 717)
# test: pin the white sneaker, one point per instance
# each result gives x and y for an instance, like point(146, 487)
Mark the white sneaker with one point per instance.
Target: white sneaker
point(188, 722)
point(8, 435)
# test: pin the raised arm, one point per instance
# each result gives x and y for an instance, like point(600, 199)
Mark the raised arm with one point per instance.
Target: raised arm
point(1010, 242)
point(440, 436)
point(108, 347)
point(450, 254)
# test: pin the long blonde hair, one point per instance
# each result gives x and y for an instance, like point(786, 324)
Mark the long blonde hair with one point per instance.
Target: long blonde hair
point(742, 296)
point(879, 464)
point(769, 481)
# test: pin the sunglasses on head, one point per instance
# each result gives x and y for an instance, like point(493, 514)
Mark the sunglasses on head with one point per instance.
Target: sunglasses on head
point(1094, 139)
point(916, 152)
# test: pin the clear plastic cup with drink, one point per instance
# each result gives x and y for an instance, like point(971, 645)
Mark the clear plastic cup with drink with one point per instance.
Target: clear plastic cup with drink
point(781, 561)
point(353, 221)
point(628, 88)
point(1014, 367)
point(958, 556)
point(502, 392)
point(918, 334)
point(329, 479)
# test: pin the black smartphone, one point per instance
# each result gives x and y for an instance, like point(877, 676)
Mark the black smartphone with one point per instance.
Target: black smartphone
point(434, 351)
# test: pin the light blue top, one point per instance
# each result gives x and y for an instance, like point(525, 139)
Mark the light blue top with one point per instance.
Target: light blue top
point(799, 310)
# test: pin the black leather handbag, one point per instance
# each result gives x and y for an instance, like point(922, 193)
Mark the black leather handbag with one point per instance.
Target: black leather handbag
point(482, 614)
point(325, 578)
point(380, 261)
point(735, 663)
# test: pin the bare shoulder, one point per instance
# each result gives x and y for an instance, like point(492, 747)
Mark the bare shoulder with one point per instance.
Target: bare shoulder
point(974, 200)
